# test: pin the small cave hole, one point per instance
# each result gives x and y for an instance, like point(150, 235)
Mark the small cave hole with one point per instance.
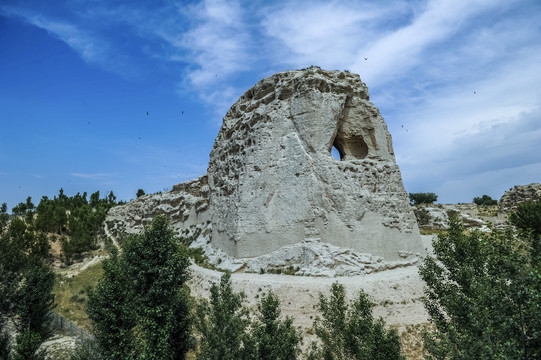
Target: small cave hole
point(335, 153)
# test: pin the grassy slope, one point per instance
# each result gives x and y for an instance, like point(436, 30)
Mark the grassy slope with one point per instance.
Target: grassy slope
point(71, 295)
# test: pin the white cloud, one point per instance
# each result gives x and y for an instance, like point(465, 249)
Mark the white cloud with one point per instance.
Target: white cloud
point(403, 49)
point(328, 34)
point(218, 43)
point(74, 37)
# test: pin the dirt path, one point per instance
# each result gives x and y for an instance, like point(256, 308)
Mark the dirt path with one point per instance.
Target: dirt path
point(110, 236)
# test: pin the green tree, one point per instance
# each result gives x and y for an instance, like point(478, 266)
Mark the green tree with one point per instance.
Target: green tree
point(25, 287)
point(222, 324)
point(527, 217)
point(422, 198)
point(139, 308)
point(158, 267)
point(27, 346)
point(4, 217)
point(22, 209)
point(34, 300)
point(274, 338)
point(349, 331)
point(483, 294)
point(5, 343)
point(485, 200)
point(140, 192)
point(111, 198)
point(95, 199)
point(110, 309)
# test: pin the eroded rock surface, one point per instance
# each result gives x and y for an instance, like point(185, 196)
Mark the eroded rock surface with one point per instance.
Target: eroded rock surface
point(274, 183)
point(274, 197)
point(186, 205)
point(517, 195)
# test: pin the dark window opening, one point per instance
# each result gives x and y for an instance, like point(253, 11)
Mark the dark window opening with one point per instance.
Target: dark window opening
point(345, 149)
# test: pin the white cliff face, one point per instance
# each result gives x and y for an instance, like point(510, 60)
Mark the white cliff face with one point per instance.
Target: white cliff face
point(274, 183)
point(274, 197)
point(186, 205)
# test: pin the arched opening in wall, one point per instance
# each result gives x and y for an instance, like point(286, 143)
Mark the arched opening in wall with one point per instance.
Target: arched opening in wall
point(335, 153)
point(349, 148)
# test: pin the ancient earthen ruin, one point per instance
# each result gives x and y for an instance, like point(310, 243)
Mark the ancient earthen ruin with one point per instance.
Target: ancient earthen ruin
point(272, 183)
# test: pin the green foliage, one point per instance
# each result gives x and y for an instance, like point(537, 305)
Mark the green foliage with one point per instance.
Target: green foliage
point(422, 215)
point(483, 294)
point(86, 351)
point(28, 343)
point(422, 198)
point(111, 312)
point(527, 217)
point(274, 338)
point(25, 288)
point(349, 331)
point(4, 217)
point(140, 192)
point(34, 300)
point(139, 309)
point(23, 208)
point(72, 216)
point(485, 200)
point(223, 324)
point(5, 343)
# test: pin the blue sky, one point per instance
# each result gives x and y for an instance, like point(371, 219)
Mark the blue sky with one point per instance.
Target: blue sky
point(458, 83)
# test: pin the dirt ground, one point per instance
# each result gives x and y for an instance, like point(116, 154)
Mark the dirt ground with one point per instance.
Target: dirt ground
point(397, 294)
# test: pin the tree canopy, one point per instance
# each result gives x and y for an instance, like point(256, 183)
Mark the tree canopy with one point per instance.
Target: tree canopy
point(140, 309)
point(422, 198)
point(483, 293)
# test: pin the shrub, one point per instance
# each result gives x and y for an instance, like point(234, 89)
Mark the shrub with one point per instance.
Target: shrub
point(349, 331)
point(482, 294)
point(422, 198)
point(423, 216)
point(485, 200)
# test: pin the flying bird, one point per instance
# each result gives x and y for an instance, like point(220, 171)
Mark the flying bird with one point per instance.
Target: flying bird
point(366, 58)
point(182, 112)
point(147, 113)
point(475, 92)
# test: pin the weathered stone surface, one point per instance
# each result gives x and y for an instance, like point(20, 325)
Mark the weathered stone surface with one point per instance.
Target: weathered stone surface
point(517, 195)
point(274, 183)
point(186, 205)
point(275, 198)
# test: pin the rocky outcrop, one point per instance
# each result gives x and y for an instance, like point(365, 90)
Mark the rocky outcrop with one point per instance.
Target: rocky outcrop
point(517, 195)
point(186, 205)
point(274, 183)
point(274, 197)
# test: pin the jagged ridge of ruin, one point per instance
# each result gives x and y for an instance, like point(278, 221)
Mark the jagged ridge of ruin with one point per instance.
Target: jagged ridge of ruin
point(273, 184)
point(518, 195)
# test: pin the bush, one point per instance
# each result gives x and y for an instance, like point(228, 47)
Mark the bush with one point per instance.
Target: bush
point(274, 338)
point(527, 217)
point(223, 323)
point(423, 216)
point(482, 294)
point(422, 198)
point(349, 331)
point(485, 200)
